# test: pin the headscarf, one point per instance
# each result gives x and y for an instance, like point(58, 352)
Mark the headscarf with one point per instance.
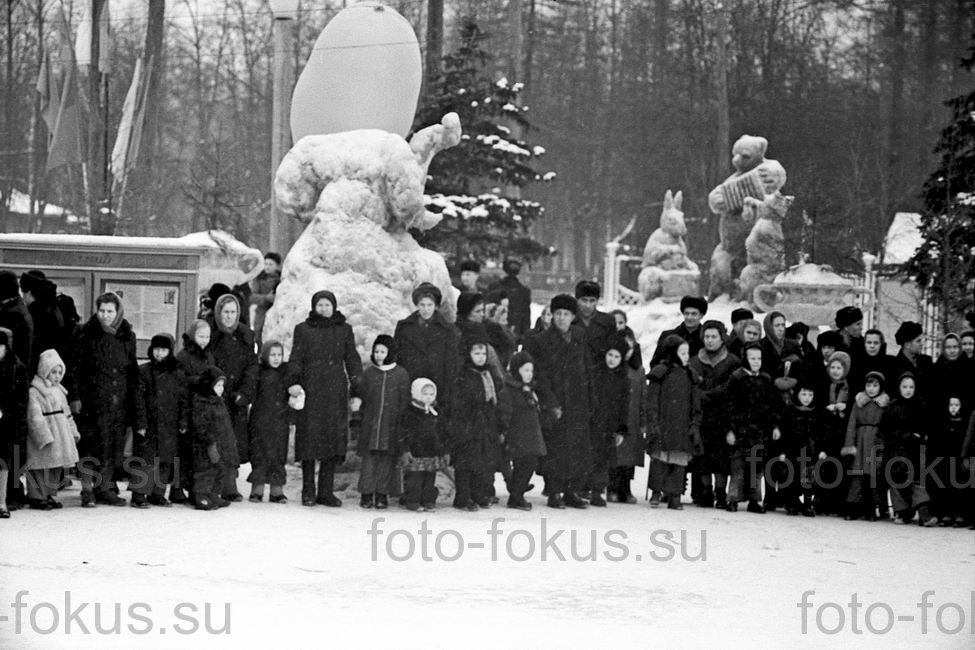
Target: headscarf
point(386, 341)
point(416, 390)
point(49, 360)
point(113, 298)
point(189, 336)
point(218, 306)
point(266, 348)
point(777, 343)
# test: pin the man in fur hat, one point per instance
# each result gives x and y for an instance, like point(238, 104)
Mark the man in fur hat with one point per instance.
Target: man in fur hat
point(598, 326)
point(693, 309)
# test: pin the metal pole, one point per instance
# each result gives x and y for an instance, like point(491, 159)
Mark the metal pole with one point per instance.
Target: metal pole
point(279, 231)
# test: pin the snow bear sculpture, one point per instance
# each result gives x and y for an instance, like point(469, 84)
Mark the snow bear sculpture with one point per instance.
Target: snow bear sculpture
point(358, 192)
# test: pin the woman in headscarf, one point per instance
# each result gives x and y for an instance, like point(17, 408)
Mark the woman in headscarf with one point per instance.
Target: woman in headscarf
point(324, 362)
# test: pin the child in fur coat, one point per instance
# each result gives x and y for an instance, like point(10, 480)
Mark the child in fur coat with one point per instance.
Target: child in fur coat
point(52, 435)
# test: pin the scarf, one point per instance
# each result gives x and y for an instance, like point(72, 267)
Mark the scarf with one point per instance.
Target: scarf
point(426, 408)
point(386, 367)
point(491, 395)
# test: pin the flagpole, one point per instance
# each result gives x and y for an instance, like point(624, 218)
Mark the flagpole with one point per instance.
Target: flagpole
point(106, 180)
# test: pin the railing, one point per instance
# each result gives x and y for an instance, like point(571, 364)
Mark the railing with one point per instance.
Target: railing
point(614, 293)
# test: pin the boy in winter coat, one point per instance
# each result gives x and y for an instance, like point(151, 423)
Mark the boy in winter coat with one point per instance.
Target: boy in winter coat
point(214, 445)
point(269, 425)
point(162, 417)
point(475, 429)
point(754, 409)
point(610, 416)
point(864, 445)
point(193, 359)
point(385, 392)
point(802, 446)
point(673, 421)
point(421, 446)
point(13, 412)
point(52, 436)
point(903, 433)
point(521, 413)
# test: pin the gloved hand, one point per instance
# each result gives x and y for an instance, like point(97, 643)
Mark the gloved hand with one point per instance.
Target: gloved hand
point(295, 390)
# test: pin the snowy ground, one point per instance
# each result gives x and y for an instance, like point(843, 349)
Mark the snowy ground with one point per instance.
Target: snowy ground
point(294, 573)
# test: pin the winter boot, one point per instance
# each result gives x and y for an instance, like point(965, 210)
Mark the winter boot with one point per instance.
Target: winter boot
point(596, 499)
point(366, 501)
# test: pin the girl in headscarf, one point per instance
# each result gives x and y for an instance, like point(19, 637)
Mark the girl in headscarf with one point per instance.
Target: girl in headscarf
point(270, 421)
point(421, 446)
point(52, 436)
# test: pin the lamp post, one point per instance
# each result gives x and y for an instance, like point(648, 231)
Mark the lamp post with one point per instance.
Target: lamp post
point(279, 226)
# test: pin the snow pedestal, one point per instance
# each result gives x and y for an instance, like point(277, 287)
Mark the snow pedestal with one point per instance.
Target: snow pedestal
point(810, 293)
point(669, 286)
point(359, 191)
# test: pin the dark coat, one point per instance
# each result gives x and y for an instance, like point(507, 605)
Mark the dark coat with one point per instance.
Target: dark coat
point(714, 376)
point(194, 362)
point(270, 418)
point(598, 332)
point(922, 369)
point(474, 435)
point(234, 354)
point(324, 362)
point(882, 363)
point(610, 407)
point(673, 410)
point(14, 387)
point(49, 332)
point(521, 418)
point(695, 342)
point(951, 379)
point(106, 373)
point(15, 316)
point(802, 433)
point(385, 396)
point(161, 410)
point(632, 451)
point(519, 303)
point(428, 350)
point(903, 431)
point(212, 425)
point(563, 373)
point(754, 409)
point(420, 434)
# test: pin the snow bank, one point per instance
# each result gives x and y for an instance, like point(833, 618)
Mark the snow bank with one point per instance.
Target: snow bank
point(903, 238)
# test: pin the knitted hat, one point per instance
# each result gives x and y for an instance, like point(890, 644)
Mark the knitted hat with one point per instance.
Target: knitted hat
point(908, 331)
point(563, 301)
point(694, 302)
point(427, 290)
point(848, 316)
point(327, 295)
point(386, 341)
point(518, 360)
point(844, 360)
point(8, 285)
point(470, 265)
point(879, 376)
point(161, 341)
point(273, 256)
point(466, 302)
point(741, 314)
point(588, 289)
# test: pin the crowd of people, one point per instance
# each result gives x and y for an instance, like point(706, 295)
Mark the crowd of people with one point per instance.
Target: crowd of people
point(754, 414)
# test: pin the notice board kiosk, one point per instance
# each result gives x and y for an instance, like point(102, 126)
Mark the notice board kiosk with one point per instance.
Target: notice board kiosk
point(156, 277)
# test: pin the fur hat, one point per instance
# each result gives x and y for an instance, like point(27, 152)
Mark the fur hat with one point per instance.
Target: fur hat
point(386, 341)
point(273, 256)
point(908, 331)
point(511, 266)
point(466, 302)
point(694, 302)
point(740, 314)
point(162, 340)
point(8, 285)
point(217, 290)
point(563, 301)
point(848, 316)
point(518, 360)
point(844, 360)
point(469, 265)
point(427, 290)
point(588, 289)
point(830, 338)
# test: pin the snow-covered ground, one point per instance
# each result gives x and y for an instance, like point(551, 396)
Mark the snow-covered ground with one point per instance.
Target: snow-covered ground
point(289, 573)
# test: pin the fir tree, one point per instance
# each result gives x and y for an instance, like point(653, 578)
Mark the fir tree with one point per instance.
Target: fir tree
point(945, 262)
point(476, 185)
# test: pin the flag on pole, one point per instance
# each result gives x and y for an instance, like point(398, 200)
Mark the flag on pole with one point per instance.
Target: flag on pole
point(82, 44)
point(47, 88)
point(65, 135)
point(120, 152)
point(86, 29)
point(104, 39)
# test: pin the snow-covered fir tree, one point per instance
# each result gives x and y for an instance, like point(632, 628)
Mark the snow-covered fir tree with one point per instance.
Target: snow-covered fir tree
point(476, 185)
point(945, 262)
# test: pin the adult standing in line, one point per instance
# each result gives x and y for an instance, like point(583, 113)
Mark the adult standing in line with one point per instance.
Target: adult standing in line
point(519, 297)
point(232, 346)
point(325, 364)
point(105, 380)
point(564, 365)
point(40, 296)
point(263, 289)
point(693, 309)
point(598, 326)
point(15, 316)
point(910, 337)
point(427, 345)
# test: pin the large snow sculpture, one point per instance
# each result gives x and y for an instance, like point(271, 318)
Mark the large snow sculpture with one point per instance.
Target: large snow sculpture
point(756, 177)
point(358, 191)
point(667, 272)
